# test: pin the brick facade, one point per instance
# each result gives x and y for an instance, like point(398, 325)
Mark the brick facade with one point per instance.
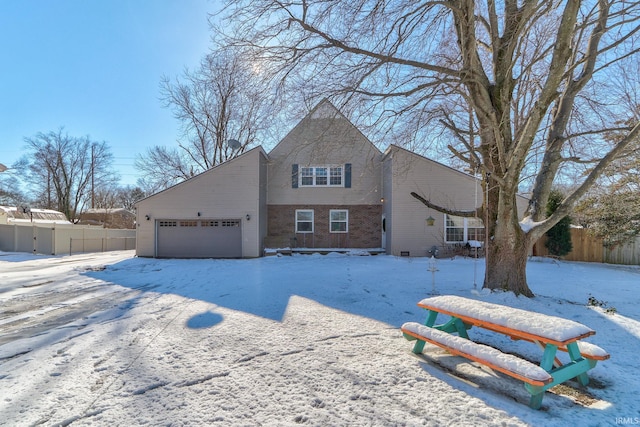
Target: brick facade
point(365, 227)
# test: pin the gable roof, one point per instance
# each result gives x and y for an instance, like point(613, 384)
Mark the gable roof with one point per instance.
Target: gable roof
point(391, 147)
point(208, 171)
point(323, 111)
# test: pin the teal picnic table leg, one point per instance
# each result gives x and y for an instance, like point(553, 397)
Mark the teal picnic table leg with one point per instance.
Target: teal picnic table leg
point(537, 393)
point(574, 353)
point(461, 328)
point(548, 357)
point(453, 326)
point(431, 320)
point(418, 346)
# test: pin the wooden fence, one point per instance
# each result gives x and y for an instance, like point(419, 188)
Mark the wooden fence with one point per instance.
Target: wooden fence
point(588, 248)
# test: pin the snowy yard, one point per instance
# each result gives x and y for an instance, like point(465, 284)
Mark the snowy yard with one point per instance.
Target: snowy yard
point(109, 339)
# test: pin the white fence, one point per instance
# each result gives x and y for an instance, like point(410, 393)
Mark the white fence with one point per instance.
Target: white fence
point(56, 239)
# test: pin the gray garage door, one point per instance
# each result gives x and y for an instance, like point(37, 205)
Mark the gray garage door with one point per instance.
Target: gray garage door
point(210, 238)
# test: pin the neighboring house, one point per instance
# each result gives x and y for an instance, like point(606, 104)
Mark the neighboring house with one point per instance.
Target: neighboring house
point(324, 186)
point(26, 216)
point(119, 218)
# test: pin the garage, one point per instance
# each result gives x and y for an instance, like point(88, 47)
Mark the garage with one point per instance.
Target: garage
point(206, 238)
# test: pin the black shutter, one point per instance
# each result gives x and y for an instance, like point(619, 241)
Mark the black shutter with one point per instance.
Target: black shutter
point(294, 176)
point(347, 175)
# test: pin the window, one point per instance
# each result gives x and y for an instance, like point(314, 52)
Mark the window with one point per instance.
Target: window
point(454, 229)
point(475, 229)
point(307, 176)
point(336, 176)
point(304, 221)
point(461, 230)
point(221, 223)
point(322, 176)
point(338, 221)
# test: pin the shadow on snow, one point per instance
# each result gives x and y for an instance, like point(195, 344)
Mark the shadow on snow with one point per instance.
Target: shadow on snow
point(376, 287)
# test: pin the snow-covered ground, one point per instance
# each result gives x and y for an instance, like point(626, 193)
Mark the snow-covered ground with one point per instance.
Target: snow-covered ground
point(110, 339)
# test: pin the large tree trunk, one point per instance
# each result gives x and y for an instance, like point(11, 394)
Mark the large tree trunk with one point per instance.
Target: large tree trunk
point(508, 246)
point(506, 261)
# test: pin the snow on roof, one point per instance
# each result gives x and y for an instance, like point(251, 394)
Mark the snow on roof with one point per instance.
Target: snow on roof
point(542, 325)
point(21, 214)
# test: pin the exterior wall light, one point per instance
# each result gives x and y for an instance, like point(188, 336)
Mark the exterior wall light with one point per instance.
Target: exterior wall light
point(430, 221)
point(147, 217)
point(248, 217)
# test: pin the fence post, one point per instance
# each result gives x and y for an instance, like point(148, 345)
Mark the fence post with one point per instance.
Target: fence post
point(70, 244)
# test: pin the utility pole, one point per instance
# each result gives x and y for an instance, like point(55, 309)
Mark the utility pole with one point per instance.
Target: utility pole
point(48, 188)
point(93, 194)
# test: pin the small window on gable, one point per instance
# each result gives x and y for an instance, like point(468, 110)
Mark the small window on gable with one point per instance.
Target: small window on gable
point(304, 221)
point(339, 221)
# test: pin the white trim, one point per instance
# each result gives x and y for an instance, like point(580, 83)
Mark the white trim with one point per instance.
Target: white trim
point(314, 175)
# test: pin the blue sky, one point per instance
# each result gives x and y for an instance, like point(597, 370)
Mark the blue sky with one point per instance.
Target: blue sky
point(94, 67)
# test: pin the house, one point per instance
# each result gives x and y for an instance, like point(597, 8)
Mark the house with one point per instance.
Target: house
point(324, 187)
point(23, 215)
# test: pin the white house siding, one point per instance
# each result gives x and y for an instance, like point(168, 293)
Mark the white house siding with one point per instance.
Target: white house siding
point(325, 137)
point(232, 190)
point(407, 228)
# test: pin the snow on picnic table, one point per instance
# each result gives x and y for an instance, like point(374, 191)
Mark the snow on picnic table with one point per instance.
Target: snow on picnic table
point(538, 324)
point(110, 339)
point(496, 357)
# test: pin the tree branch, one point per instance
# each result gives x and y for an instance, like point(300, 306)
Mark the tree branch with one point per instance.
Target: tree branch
point(453, 212)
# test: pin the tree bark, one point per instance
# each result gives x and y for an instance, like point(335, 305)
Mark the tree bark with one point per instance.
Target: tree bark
point(507, 252)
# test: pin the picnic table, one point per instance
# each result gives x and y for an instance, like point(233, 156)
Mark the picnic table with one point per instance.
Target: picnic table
point(550, 333)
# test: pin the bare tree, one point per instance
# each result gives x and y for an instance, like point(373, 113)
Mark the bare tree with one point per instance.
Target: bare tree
point(64, 170)
point(117, 197)
point(523, 89)
point(225, 99)
point(10, 192)
point(114, 196)
point(128, 196)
